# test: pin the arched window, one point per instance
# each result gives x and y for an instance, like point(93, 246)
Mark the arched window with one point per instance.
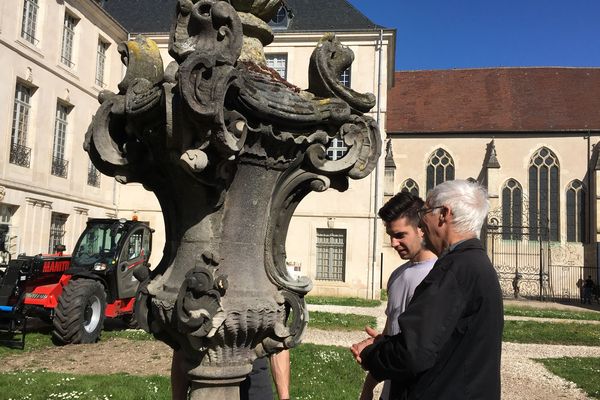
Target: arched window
point(544, 181)
point(440, 168)
point(410, 186)
point(512, 210)
point(575, 211)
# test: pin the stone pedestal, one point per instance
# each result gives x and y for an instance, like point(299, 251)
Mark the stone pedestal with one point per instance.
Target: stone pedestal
point(230, 149)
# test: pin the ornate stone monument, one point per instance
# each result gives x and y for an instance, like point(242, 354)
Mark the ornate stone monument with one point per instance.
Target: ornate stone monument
point(229, 148)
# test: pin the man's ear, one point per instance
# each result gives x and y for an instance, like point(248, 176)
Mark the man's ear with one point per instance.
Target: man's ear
point(445, 212)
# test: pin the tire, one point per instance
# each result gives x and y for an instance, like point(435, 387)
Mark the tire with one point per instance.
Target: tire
point(79, 316)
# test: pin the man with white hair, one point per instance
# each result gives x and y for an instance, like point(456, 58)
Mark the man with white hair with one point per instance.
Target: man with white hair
point(450, 339)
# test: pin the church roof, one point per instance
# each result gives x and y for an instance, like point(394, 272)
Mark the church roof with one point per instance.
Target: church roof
point(535, 99)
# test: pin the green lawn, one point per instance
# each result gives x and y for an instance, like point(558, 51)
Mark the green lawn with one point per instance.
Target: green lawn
point(33, 341)
point(316, 374)
point(340, 322)
point(43, 385)
point(342, 301)
point(324, 373)
point(552, 333)
point(551, 313)
point(585, 372)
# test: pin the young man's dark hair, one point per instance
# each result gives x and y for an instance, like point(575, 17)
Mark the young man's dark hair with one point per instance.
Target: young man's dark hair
point(403, 204)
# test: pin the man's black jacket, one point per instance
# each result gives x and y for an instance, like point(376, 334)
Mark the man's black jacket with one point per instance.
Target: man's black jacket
point(451, 333)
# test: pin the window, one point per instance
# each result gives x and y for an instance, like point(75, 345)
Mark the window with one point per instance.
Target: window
point(6, 213)
point(576, 211)
point(19, 152)
point(29, 22)
point(278, 62)
point(345, 77)
point(281, 19)
point(337, 149)
point(389, 174)
point(512, 210)
point(101, 62)
point(544, 195)
point(388, 180)
point(59, 164)
point(134, 245)
point(331, 254)
point(66, 56)
point(93, 175)
point(57, 230)
point(410, 186)
point(440, 168)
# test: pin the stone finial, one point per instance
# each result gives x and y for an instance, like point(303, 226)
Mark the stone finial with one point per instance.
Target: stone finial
point(492, 160)
point(389, 155)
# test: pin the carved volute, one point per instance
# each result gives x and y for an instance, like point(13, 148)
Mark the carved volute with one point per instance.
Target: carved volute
point(230, 149)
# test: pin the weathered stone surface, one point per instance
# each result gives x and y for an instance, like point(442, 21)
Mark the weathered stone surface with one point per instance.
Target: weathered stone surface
point(230, 149)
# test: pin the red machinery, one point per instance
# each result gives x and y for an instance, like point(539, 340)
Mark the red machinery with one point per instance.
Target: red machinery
point(77, 292)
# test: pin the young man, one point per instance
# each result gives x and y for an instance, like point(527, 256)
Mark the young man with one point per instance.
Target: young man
point(450, 341)
point(400, 215)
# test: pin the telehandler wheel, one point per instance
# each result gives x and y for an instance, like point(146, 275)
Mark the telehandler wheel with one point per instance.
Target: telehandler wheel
point(79, 316)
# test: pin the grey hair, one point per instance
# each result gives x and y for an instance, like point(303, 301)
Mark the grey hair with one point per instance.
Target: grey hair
point(467, 200)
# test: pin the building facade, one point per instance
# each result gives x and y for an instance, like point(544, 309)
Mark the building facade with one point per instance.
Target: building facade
point(529, 135)
point(58, 56)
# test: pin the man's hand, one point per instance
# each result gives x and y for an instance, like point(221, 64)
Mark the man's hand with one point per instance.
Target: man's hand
point(357, 348)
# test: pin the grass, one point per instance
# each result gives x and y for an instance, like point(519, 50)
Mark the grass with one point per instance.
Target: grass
point(42, 339)
point(315, 375)
point(324, 372)
point(342, 301)
point(584, 372)
point(384, 295)
point(129, 334)
point(43, 385)
point(340, 322)
point(33, 341)
point(550, 313)
point(551, 333)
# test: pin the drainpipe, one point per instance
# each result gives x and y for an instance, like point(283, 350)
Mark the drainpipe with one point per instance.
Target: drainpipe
point(376, 202)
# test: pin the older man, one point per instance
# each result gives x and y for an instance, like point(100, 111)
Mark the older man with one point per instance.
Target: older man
point(449, 344)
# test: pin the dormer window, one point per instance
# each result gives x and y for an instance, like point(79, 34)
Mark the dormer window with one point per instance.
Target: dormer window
point(281, 19)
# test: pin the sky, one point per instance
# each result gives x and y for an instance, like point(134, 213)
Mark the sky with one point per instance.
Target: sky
point(444, 34)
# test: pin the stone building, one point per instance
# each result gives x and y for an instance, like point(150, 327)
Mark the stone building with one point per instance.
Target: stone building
point(57, 56)
point(60, 55)
point(529, 135)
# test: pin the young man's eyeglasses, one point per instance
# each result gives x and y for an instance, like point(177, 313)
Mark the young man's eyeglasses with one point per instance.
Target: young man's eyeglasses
point(424, 210)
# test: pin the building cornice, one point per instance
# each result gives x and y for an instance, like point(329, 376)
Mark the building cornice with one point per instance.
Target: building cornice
point(57, 71)
point(99, 17)
point(52, 194)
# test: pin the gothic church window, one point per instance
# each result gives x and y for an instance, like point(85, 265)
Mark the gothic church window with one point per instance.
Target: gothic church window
point(410, 186)
point(575, 211)
point(440, 168)
point(512, 210)
point(544, 183)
